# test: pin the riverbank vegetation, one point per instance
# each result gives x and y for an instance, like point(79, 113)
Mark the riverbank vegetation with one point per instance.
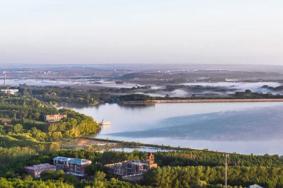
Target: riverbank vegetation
point(23, 115)
point(80, 96)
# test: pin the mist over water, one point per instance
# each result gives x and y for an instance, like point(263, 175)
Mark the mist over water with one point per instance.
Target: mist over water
point(232, 127)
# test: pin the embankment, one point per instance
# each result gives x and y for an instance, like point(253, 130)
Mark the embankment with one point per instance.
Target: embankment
point(150, 102)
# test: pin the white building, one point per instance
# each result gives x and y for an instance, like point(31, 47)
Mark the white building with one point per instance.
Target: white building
point(10, 91)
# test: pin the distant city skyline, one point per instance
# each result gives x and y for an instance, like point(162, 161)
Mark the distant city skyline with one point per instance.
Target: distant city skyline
point(148, 31)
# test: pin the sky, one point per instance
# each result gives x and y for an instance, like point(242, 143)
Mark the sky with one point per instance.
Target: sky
point(141, 31)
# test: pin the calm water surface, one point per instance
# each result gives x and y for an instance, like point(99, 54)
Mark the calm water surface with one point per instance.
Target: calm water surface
point(233, 127)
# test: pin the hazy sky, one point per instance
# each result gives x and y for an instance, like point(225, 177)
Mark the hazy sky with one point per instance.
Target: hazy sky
point(141, 31)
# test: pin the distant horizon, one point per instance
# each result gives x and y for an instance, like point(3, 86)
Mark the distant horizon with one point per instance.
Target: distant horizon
point(145, 63)
point(153, 67)
point(134, 64)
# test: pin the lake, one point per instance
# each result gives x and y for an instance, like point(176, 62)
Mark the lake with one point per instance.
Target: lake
point(231, 127)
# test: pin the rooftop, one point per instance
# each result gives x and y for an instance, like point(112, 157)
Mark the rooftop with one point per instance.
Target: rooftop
point(39, 166)
point(72, 160)
point(59, 158)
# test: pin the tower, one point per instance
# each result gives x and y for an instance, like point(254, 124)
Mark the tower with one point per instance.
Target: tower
point(226, 170)
point(5, 77)
point(150, 159)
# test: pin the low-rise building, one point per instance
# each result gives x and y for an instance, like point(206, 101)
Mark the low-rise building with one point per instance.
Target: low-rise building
point(127, 168)
point(37, 170)
point(10, 91)
point(132, 170)
point(73, 166)
point(55, 117)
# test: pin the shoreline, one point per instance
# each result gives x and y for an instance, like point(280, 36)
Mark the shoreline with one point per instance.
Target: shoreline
point(160, 101)
point(127, 144)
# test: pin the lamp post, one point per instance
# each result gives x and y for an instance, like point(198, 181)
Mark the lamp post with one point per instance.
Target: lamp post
point(226, 170)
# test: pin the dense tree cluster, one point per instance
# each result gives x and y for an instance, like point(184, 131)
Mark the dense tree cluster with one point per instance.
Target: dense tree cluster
point(25, 116)
point(176, 169)
point(82, 96)
point(208, 158)
point(19, 108)
point(76, 125)
point(29, 182)
point(201, 176)
point(14, 159)
point(98, 182)
point(65, 96)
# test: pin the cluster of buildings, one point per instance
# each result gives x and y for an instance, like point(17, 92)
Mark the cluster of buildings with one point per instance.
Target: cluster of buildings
point(132, 170)
point(72, 166)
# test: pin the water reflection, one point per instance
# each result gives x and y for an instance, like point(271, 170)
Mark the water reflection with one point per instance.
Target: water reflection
point(233, 127)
